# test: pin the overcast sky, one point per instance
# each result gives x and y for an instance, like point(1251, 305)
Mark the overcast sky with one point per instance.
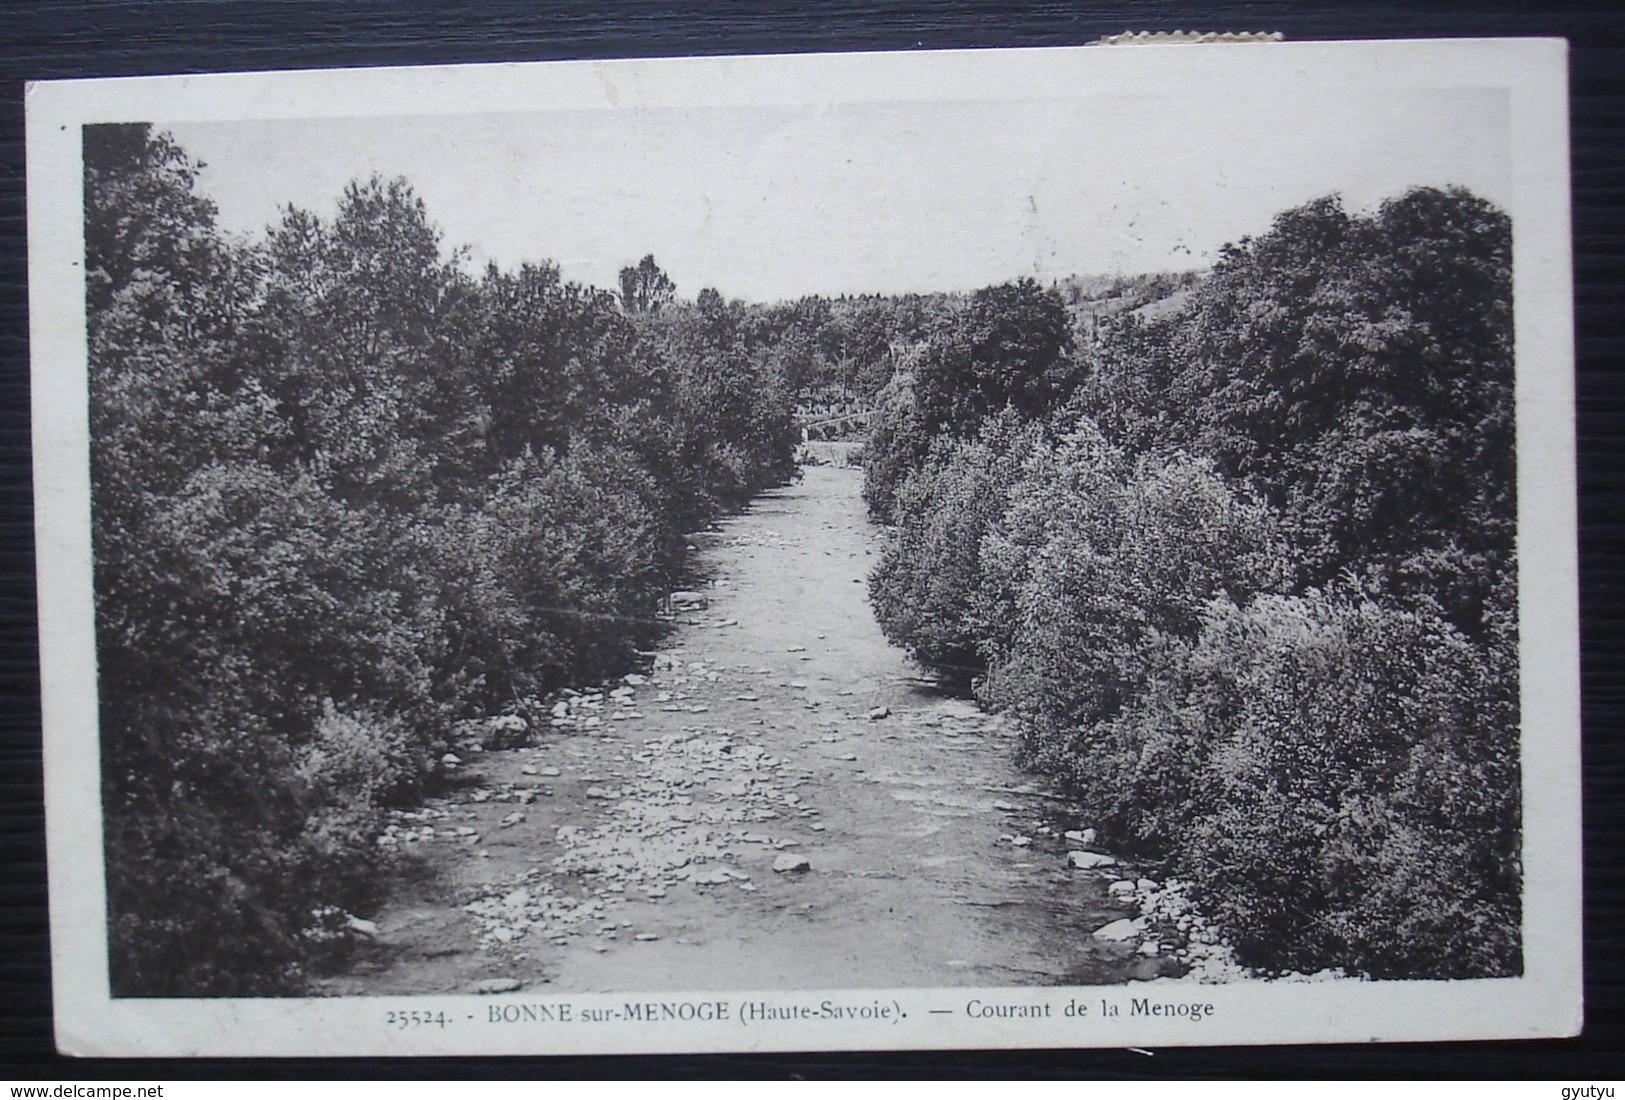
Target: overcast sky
point(775, 202)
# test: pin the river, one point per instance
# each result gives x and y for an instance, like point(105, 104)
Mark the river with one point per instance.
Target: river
point(634, 846)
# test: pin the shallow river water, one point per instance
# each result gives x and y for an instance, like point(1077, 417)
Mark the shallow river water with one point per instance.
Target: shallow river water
point(634, 847)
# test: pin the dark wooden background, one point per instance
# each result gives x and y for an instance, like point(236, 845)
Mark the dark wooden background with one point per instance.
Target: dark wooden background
point(42, 39)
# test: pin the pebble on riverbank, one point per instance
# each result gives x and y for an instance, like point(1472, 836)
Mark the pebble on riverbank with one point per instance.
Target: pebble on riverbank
point(690, 813)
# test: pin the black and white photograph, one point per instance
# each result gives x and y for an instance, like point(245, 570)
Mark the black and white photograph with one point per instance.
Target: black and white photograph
point(1002, 548)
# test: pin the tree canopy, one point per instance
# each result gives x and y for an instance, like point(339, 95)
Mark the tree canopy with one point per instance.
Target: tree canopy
point(348, 495)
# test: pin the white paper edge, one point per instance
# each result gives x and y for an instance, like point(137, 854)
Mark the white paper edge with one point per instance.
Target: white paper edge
point(1544, 1002)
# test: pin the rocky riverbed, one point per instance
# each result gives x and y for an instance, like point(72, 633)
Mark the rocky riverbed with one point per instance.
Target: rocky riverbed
point(778, 799)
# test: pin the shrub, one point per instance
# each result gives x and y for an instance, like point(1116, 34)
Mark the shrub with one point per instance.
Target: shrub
point(181, 921)
point(1098, 566)
point(924, 588)
point(358, 761)
point(1358, 795)
point(897, 445)
point(578, 551)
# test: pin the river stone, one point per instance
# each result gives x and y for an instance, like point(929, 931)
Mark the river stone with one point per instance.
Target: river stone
point(791, 864)
point(1118, 931)
point(498, 985)
point(1087, 860)
point(1122, 888)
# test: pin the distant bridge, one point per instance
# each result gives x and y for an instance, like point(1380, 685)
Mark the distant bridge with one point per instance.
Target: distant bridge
point(834, 427)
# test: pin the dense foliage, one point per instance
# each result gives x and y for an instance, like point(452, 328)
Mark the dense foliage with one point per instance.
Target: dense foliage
point(347, 493)
point(1238, 551)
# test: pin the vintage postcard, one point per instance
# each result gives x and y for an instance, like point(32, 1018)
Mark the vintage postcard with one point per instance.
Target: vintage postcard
point(1043, 548)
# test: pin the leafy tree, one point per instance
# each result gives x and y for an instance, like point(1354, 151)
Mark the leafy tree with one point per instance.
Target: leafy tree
point(1359, 807)
point(200, 829)
point(349, 332)
point(346, 495)
point(1009, 347)
point(1098, 563)
point(645, 288)
point(898, 444)
point(924, 589)
point(1129, 382)
point(548, 361)
point(1359, 371)
point(1250, 589)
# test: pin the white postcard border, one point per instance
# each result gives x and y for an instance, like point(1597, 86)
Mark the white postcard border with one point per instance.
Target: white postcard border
point(1545, 1001)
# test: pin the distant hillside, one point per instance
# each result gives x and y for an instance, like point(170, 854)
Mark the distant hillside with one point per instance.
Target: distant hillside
point(1091, 299)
